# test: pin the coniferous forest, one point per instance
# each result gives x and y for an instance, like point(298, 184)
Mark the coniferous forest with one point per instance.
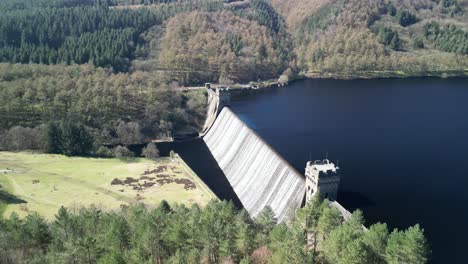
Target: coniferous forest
point(217, 233)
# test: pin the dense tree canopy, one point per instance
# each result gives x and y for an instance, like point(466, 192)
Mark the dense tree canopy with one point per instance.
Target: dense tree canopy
point(217, 233)
point(86, 34)
point(211, 47)
point(117, 108)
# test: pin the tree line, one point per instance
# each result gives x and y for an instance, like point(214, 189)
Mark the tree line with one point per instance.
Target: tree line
point(216, 233)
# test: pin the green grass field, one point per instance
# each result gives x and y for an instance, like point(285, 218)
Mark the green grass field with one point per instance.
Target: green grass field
point(42, 183)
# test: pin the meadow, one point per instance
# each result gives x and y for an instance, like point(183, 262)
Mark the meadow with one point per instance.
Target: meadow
point(33, 182)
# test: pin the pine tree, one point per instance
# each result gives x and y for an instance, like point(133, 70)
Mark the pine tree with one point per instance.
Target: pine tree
point(376, 240)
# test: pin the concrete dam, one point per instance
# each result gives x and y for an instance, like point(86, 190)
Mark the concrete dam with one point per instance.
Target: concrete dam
point(248, 171)
point(259, 176)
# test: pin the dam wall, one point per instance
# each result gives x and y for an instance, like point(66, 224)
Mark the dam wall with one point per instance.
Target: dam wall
point(258, 175)
point(212, 112)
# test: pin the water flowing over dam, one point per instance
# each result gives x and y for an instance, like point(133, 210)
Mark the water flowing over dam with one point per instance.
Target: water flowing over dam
point(259, 176)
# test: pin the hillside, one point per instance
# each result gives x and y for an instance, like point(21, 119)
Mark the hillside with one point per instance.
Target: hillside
point(377, 38)
point(192, 42)
point(136, 52)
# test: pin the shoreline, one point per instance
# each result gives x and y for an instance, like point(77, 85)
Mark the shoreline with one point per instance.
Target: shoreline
point(364, 75)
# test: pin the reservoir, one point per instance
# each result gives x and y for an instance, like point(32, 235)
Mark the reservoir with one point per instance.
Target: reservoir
point(402, 146)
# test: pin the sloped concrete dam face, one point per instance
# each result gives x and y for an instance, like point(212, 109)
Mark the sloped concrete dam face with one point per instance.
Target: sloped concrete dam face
point(259, 176)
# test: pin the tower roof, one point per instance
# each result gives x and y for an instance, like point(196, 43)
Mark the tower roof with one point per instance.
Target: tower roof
point(323, 166)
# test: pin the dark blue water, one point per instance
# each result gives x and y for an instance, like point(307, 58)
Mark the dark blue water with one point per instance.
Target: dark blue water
point(402, 146)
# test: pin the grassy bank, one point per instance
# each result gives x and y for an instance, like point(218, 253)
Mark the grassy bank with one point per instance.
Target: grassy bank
point(42, 183)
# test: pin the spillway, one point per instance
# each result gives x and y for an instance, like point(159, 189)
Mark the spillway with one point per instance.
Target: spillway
point(258, 175)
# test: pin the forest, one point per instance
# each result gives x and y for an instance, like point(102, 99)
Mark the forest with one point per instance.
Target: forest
point(237, 41)
point(87, 62)
point(216, 233)
point(343, 39)
point(122, 108)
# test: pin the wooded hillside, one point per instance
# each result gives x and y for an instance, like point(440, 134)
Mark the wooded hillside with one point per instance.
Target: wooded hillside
point(137, 51)
point(219, 47)
point(347, 37)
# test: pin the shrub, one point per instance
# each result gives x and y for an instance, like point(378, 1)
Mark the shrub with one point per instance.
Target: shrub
point(123, 152)
point(151, 151)
point(104, 152)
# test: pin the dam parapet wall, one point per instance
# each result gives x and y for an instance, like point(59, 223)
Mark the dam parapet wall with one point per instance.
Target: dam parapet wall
point(258, 174)
point(217, 99)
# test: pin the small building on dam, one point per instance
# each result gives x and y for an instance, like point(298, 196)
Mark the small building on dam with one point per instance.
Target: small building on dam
point(258, 175)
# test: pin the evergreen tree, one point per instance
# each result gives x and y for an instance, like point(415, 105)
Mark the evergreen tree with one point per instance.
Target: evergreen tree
point(376, 240)
point(408, 246)
point(405, 18)
point(265, 221)
point(53, 138)
point(345, 244)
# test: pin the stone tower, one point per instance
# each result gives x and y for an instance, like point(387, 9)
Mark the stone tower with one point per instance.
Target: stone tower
point(323, 175)
point(224, 95)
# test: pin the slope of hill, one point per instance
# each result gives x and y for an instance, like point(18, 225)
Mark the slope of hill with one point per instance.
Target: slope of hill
point(378, 38)
point(192, 42)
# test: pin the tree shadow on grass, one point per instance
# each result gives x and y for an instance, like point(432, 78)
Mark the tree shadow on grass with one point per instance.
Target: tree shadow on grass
point(8, 198)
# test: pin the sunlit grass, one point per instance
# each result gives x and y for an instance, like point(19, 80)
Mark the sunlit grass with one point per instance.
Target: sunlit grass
point(42, 183)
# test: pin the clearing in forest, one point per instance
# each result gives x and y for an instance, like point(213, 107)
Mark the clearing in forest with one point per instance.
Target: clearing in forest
point(42, 183)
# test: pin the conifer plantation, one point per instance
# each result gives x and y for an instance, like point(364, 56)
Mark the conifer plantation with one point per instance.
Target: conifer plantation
point(217, 233)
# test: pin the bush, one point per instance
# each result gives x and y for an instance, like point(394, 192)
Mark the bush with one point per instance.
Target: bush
point(104, 152)
point(151, 151)
point(123, 152)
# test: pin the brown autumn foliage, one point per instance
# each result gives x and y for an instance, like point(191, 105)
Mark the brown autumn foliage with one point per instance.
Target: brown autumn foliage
point(261, 255)
point(218, 47)
point(342, 37)
point(296, 11)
